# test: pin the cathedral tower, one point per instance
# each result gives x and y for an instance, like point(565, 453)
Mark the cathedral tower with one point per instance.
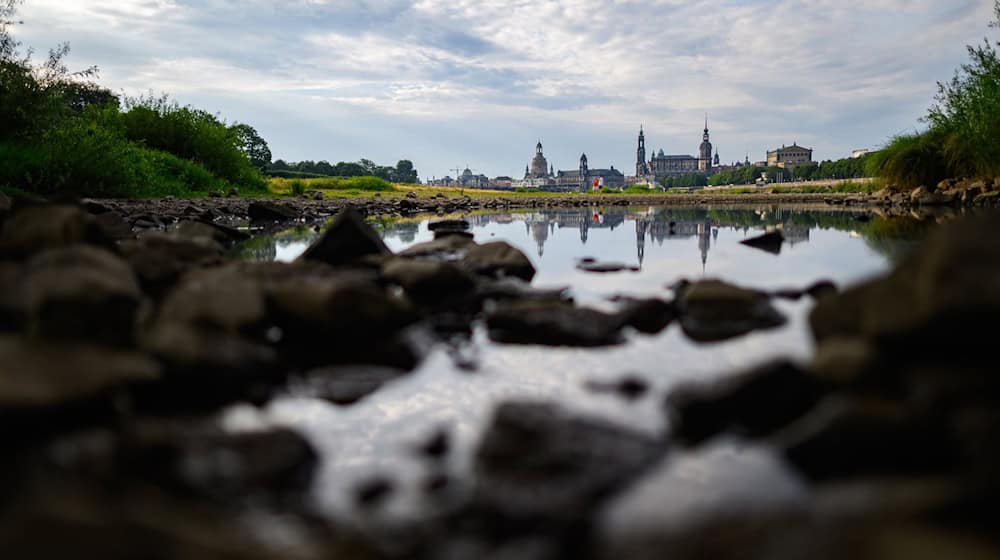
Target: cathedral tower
point(641, 168)
point(705, 151)
point(584, 183)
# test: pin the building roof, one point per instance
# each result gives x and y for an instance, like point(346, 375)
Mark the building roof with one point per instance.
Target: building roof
point(672, 157)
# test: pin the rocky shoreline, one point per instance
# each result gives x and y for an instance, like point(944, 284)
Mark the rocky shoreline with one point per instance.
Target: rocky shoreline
point(125, 326)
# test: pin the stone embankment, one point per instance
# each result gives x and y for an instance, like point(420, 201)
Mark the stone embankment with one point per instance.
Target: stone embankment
point(126, 326)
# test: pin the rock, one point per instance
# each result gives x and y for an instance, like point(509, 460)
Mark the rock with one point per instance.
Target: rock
point(347, 239)
point(553, 323)
point(844, 438)
point(262, 211)
point(316, 195)
point(447, 248)
point(114, 226)
point(411, 195)
point(215, 194)
point(605, 267)
point(923, 197)
point(6, 205)
point(207, 366)
point(159, 260)
point(38, 375)
point(233, 191)
point(436, 446)
point(538, 463)
point(211, 462)
point(224, 235)
point(844, 360)
point(498, 258)
point(81, 292)
point(373, 492)
point(448, 225)
point(628, 388)
point(769, 242)
point(223, 298)
point(816, 290)
point(753, 404)
point(12, 305)
point(36, 228)
point(712, 310)
point(94, 207)
point(648, 316)
point(987, 199)
point(429, 281)
point(346, 385)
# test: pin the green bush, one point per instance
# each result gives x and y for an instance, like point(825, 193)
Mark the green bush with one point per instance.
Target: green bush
point(910, 161)
point(297, 187)
point(283, 174)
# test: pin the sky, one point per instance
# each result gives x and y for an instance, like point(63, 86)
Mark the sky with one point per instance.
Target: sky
point(456, 83)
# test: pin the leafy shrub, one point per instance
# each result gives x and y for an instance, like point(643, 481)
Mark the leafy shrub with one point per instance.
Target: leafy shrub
point(910, 161)
point(297, 187)
point(283, 174)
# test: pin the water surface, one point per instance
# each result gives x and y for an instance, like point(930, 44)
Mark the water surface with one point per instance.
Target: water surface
point(377, 435)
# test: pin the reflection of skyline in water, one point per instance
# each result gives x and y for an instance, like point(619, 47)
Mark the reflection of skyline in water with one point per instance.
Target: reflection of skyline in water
point(651, 226)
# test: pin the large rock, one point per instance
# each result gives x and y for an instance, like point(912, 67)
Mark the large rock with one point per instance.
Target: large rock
point(538, 462)
point(348, 239)
point(428, 280)
point(553, 323)
point(263, 212)
point(36, 228)
point(222, 298)
point(769, 242)
point(346, 385)
point(498, 258)
point(712, 310)
point(81, 292)
point(753, 404)
point(36, 375)
point(159, 260)
point(12, 308)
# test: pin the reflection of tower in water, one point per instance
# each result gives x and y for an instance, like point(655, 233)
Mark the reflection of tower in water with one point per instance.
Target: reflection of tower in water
point(704, 242)
point(584, 227)
point(540, 233)
point(641, 225)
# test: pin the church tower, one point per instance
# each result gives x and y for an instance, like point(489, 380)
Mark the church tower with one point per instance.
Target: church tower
point(583, 172)
point(641, 169)
point(705, 151)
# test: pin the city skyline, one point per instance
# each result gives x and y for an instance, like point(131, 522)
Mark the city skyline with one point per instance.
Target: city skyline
point(445, 84)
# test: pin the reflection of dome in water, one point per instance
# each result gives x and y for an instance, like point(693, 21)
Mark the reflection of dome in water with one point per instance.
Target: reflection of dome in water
point(540, 233)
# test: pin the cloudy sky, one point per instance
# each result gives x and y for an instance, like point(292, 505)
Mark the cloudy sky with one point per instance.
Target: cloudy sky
point(451, 83)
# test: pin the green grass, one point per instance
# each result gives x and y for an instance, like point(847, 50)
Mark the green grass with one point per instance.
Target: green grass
point(342, 186)
point(910, 161)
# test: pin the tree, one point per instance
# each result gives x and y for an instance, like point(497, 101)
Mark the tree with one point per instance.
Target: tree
point(250, 143)
point(405, 173)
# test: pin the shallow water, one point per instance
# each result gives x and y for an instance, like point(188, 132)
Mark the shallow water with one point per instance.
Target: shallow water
point(376, 436)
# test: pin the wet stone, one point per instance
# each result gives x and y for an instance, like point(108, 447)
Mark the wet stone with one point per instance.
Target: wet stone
point(753, 404)
point(345, 385)
point(553, 324)
point(712, 310)
point(498, 258)
point(428, 280)
point(81, 292)
point(348, 239)
point(36, 228)
point(48, 374)
point(539, 462)
point(159, 260)
point(260, 211)
point(605, 267)
point(629, 388)
point(448, 225)
point(769, 242)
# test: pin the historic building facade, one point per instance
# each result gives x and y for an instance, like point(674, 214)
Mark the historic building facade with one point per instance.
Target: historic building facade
point(539, 167)
point(666, 165)
point(583, 177)
point(789, 157)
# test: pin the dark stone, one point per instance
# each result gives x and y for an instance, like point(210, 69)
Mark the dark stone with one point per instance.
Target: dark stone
point(215, 463)
point(436, 446)
point(498, 258)
point(373, 492)
point(648, 316)
point(769, 242)
point(224, 235)
point(6, 205)
point(12, 304)
point(38, 375)
point(159, 259)
point(537, 462)
point(448, 225)
point(449, 247)
point(605, 267)
point(345, 385)
point(81, 292)
point(628, 388)
point(754, 403)
point(262, 211)
point(711, 310)
point(553, 323)
point(348, 239)
point(36, 228)
point(816, 290)
point(114, 226)
point(428, 280)
point(215, 194)
point(845, 438)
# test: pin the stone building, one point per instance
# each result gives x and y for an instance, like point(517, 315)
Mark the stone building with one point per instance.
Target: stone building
point(666, 165)
point(583, 177)
point(789, 157)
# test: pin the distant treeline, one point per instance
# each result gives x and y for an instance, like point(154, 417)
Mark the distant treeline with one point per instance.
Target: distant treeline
point(847, 168)
point(403, 172)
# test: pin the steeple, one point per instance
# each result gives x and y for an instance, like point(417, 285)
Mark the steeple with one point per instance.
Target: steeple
point(641, 168)
point(705, 151)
